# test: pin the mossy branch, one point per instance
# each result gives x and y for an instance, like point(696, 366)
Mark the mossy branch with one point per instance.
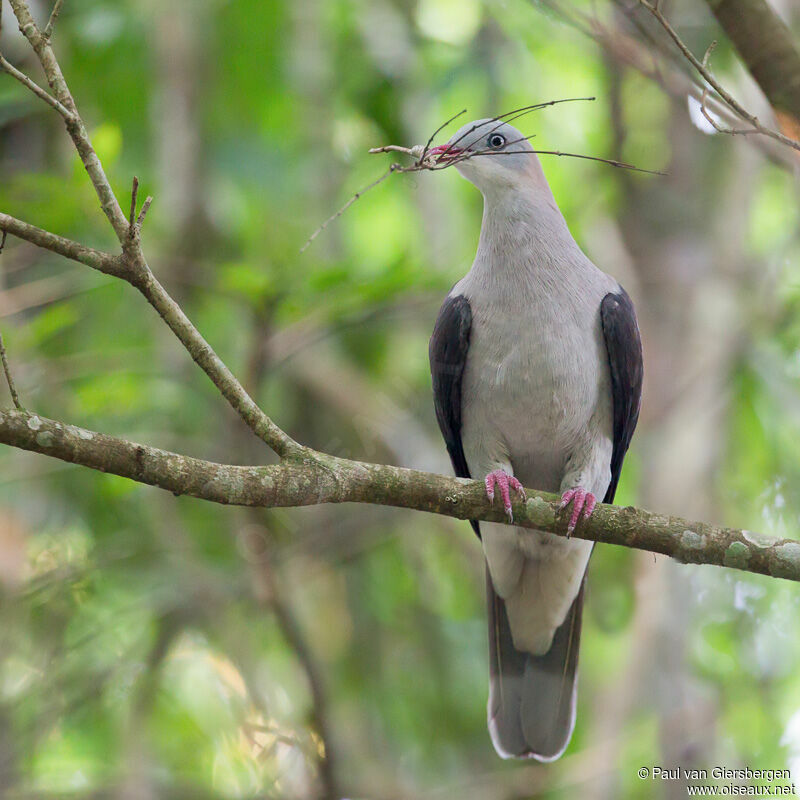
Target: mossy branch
point(318, 478)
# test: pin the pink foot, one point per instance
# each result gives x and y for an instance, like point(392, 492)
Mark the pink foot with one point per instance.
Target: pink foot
point(502, 479)
point(581, 501)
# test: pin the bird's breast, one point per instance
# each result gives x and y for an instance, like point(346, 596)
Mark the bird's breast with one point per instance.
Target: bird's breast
point(531, 383)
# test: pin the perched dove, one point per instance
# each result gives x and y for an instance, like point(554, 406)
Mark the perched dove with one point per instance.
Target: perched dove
point(537, 374)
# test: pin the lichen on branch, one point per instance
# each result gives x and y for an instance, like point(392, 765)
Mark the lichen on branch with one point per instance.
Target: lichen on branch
point(321, 478)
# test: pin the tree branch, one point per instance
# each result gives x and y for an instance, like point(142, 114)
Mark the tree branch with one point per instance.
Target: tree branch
point(131, 265)
point(322, 478)
point(767, 47)
point(96, 259)
point(724, 95)
point(205, 357)
point(75, 126)
point(677, 83)
point(34, 87)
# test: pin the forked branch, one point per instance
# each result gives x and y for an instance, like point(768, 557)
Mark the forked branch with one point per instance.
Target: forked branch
point(130, 264)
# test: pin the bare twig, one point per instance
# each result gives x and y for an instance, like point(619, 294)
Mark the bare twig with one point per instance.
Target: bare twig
point(437, 132)
point(423, 160)
point(134, 222)
point(704, 103)
point(9, 378)
point(359, 193)
point(610, 161)
point(51, 23)
point(96, 259)
point(143, 212)
point(444, 161)
point(416, 151)
point(132, 215)
point(3, 241)
point(644, 58)
point(727, 98)
point(516, 113)
point(35, 88)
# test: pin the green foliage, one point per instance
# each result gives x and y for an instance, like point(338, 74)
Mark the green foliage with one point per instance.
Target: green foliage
point(138, 639)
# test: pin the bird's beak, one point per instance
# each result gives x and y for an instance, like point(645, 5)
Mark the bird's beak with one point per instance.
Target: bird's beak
point(445, 152)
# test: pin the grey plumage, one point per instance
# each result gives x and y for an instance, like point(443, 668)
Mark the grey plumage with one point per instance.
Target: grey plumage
point(532, 378)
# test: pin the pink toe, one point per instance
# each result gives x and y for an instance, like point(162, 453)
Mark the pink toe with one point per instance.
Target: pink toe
point(506, 482)
point(577, 507)
point(504, 491)
point(583, 503)
point(516, 486)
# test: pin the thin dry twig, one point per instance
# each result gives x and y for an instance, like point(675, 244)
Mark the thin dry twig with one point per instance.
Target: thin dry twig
point(437, 132)
point(143, 212)
point(9, 378)
point(134, 222)
point(416, 151)
point(728, 99)
point(359, 193)
point(474, 153)
point(610, 161)
point(51, 23)
point(516, 113)
point(423, 161)
point(132, 215)
point(646, 57)
point(704, 103)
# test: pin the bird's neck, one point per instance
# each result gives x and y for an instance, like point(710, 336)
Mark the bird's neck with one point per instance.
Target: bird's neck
point(524, 237)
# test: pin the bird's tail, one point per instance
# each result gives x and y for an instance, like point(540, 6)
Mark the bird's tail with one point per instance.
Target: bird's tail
point(532, 698)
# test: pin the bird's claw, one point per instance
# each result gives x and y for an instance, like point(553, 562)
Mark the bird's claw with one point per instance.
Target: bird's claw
point(582, 501)
point(505, 482)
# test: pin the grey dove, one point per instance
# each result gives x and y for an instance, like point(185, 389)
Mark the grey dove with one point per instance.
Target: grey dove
point(536, 364)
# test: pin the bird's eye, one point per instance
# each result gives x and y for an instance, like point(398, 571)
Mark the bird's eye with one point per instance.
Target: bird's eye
point(496, 141)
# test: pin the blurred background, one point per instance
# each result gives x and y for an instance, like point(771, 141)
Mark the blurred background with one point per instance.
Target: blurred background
point(154, 647)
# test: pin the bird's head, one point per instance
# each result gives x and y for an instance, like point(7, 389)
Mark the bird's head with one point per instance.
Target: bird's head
point(491, 154)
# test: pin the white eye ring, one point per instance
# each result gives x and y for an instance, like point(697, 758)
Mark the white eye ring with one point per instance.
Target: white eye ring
point(496, 141)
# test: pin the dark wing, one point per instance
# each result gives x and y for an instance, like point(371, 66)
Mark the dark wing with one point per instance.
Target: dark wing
point(448, 356)
point(624, 346)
